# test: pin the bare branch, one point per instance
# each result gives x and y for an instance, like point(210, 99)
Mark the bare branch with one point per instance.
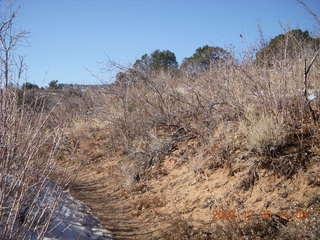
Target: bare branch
point(312, 61)
point(316, 17)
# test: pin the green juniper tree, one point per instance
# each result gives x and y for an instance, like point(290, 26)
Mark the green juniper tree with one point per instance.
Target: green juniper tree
point(293, 44)
point(157, 61)
point(204, 57)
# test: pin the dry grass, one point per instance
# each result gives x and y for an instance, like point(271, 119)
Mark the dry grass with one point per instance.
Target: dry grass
point(250, 120)
point(267, 134)
point(231, 108)
point(154, 108)
point(247, 118)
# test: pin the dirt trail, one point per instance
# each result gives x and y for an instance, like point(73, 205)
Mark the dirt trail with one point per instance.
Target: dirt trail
point(111, 203)
point(139, 213)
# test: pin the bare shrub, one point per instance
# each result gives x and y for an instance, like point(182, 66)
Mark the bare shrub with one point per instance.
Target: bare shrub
point(265, 101)
point(27, 154)
point(27, 148)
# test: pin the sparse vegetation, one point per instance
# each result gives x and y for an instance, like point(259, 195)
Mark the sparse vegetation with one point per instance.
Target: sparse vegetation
point(229, 131)
point(27, 145)
point(159, 151)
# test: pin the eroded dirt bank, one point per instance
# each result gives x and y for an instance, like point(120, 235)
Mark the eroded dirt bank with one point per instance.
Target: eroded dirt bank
point(184, 198)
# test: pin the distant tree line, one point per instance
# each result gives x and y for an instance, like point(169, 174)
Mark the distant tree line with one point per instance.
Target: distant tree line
point(165, 61)
point(28, 85)
point(52, 85)
point(293, 44)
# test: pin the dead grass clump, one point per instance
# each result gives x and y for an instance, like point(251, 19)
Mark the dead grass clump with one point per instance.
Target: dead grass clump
point(267, 134)
point(287, 165)
point(225, 143)
point(84, 128)
point(249, 181)
point(294, 153)
point(132, 169)
point(136, 163)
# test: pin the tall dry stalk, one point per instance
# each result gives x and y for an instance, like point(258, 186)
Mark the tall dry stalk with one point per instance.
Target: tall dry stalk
point(27, 149)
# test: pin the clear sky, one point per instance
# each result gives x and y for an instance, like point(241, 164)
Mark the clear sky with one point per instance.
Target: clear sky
point(70, 38)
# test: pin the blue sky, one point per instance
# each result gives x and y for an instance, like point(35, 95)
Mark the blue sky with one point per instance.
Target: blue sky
point(69, 39)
